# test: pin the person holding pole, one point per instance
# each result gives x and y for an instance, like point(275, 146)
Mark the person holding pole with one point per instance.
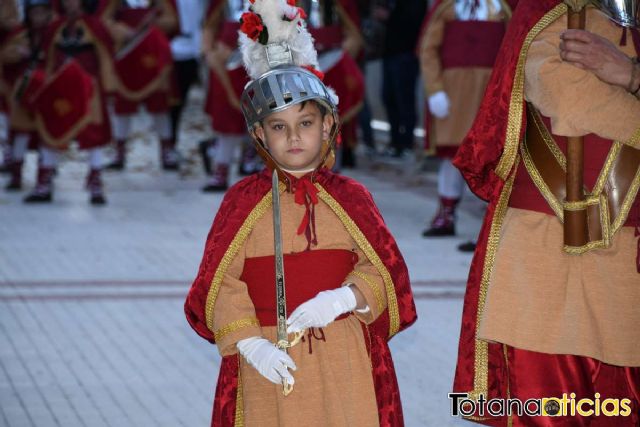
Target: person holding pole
point(301, 284)
point(551, 308)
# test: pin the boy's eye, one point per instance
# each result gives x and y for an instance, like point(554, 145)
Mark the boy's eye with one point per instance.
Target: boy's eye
point(307, 123)
point(277, 126)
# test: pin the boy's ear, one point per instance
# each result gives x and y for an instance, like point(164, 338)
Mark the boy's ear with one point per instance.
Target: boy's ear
point(327, 125)
point(259, 130)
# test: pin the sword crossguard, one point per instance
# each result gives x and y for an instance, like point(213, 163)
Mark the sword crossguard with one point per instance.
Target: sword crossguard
point(286, 344)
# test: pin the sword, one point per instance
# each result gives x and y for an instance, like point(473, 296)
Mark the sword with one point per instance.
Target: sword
point(282, 339)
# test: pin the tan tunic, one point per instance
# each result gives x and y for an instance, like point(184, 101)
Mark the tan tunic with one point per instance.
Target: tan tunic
point(464, 86)
point(20, 119)
point(333, 382)
point(540, 298)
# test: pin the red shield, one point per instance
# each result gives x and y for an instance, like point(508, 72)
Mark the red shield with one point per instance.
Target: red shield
point(64, 104)
point(143, 65)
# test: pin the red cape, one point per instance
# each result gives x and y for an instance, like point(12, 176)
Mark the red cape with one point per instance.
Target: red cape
point(233, 220)
point(487, 159)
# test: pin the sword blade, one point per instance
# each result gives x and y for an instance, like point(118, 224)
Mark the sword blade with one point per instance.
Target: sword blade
point(281, 299)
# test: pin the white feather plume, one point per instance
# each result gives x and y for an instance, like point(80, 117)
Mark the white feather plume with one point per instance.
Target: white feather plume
point(293, 32)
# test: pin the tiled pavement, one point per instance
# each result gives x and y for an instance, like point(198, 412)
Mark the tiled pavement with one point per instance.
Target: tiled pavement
point(92, 331)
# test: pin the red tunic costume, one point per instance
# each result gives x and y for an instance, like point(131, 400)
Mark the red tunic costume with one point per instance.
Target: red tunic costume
point(535, 365)
point(145, 74)
point(243, 206)
point(338, 28)
point(226, 78)
point(89, 43)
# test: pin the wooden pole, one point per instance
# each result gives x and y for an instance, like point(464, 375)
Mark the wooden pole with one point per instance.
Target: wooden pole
point(575, 222)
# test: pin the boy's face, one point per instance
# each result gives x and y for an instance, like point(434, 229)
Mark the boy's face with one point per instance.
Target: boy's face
point(294, 136)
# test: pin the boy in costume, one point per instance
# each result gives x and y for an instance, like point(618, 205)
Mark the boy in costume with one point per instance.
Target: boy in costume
point(545, 316)
point(347, 290)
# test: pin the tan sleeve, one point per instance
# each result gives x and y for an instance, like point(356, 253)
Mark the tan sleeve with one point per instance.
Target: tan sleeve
point(118, 31)
point(234, 316)
point(430, 65)
point(12, 51)
point(167, 20)
point(575, 100)
point(367, 279)
point(9, 16)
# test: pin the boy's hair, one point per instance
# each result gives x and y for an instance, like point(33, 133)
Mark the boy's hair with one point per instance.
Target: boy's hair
point(321, 107)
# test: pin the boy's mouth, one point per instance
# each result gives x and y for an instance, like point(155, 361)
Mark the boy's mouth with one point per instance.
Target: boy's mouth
point(295, 150)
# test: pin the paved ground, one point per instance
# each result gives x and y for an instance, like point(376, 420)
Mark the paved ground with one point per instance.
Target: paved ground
point(91, 325)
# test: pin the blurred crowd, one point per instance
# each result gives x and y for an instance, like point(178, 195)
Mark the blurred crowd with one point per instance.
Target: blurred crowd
point(80, 71)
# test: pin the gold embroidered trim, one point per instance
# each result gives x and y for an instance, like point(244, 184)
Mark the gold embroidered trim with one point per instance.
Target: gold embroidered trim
point(626, 205)
point(230, 254)
point(605, 220)
point(239, 416)
point(606, 168)
point(481, 363)
point(234, 326)
point(552, 145)
point(635, 139)
point(514, 124)
point(374, 288)
point(551, 199)
point(365, 246)
point(582, 204)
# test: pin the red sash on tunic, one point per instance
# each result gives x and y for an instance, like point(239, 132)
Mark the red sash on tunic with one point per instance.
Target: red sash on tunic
point(471, 43)
point(306, 273)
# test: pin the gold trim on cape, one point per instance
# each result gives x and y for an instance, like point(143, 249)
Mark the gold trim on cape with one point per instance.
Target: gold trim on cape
point(516, 104)
point(481, 363)
point(365, 246)
point(238, 419)
point(230, 254)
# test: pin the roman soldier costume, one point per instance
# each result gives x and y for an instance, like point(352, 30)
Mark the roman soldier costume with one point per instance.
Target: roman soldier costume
point(330, 233)
point(457, 49)
point(144, 70)
point(551, 308)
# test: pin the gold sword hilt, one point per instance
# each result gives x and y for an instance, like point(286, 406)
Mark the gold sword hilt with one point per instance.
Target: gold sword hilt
point(284, 345)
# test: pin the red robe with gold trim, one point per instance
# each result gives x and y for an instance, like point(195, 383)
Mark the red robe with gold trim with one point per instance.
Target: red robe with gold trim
point(94, 56)
point(345, 77)
point(225, 117)
point(487, 160)
point(239, 201)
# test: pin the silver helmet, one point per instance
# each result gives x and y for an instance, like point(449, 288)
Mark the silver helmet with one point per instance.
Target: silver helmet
point(281, 87)
point(280, 58)
point(623, 12)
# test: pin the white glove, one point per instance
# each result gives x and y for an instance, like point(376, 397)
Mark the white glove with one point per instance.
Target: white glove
point(266, 358)
point(439, 104)
point(322, 309)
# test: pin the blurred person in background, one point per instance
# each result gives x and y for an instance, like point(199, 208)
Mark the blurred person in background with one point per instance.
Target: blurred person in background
point(9, 19)
point(227, 78)
point(403, 19)
point(78, 50)
point(20, 54)
point(144, 70)
point(185, 48)
point(458, 47)
point(336, 29)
